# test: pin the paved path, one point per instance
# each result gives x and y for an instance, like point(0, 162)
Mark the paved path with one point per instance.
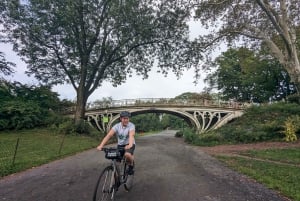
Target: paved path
point(167, 169)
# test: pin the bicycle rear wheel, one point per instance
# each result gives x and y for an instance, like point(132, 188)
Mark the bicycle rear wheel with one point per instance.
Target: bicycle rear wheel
point(105, 187)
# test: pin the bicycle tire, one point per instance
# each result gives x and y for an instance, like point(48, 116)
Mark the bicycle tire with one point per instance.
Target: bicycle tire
point(105, 190)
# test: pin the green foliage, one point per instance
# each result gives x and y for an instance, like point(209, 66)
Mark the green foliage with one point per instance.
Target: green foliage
point(109, 39)
point(259, 123)
point(244, 76)
point(68, 127)
point(252, 23)
point(291, 126)
point(294, 98)
point(158, 121)
point(179, 134)
point(19, 114)
point(209, 139)
point(188, 96)
point(147, 122)
point(190, 136)
point(23, 106)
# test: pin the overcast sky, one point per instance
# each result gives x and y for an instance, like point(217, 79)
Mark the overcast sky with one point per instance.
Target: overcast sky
point(156, 86)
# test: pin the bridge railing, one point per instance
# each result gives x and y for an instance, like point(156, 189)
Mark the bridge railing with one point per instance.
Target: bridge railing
point(166, 101)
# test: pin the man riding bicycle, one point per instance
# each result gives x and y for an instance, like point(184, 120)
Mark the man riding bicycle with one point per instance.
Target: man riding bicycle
point(124, 131)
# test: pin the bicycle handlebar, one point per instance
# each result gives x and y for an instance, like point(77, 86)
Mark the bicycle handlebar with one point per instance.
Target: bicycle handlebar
point(112, 148)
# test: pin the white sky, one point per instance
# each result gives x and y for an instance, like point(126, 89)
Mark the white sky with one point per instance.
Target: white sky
point(156, 86)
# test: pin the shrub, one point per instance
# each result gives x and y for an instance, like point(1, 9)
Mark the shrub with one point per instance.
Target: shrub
point(179, 134)
point(291, 125)
point(190, 136)
point(210, 139)
point(66, 127)
point(294, 98)
point(18, 115)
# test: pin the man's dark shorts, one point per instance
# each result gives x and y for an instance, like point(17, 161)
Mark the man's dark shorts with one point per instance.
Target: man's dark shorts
point(131, 150)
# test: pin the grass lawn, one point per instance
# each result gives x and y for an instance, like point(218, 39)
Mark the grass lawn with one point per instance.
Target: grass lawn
point(283, 176)
point(25, 149)
point(291, 156)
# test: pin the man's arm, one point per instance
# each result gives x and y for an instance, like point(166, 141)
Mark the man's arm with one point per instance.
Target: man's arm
point(105, 139)
point(131, 139)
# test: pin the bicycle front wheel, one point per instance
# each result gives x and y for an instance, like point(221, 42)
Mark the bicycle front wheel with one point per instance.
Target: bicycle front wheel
point(105, 187)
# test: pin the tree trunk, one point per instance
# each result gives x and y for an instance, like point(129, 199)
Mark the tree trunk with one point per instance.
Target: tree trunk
point(80, 105)
point(297, 87)
point(294, 72)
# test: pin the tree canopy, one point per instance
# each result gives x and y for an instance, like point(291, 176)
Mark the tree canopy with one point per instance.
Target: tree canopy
point(6, 67)
point(244, 76)
point(85, 42)
point(254, 22)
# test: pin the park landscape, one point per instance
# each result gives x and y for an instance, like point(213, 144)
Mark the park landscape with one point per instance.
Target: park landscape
point(83, 44)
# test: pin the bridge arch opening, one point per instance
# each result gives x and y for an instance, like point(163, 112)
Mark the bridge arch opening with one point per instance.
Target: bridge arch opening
point(185, 119)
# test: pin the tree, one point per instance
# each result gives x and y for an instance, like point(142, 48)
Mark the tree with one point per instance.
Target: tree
point(84, 42)
point(273, 23)
point(147, 122)
point(104, 102)
point(6, 67)
point(23, 106)
point(193, 96)
point(244, 76)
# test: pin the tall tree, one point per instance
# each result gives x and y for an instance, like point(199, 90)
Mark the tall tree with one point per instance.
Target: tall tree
point(244, 76)
point(84, 42)
point(273, 22)
point(6, 67)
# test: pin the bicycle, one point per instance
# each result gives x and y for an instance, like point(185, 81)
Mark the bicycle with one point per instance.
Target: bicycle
point(113, 176)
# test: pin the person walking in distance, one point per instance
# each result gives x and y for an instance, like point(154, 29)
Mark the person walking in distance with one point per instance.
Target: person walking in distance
point(124, 131)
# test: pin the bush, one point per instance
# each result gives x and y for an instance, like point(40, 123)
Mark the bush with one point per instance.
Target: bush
point(179, 134)
point(294, 98)
point(190, 136)
point(291, 126)
point(259, 123)
point(18, 115)
point(85, 128)
point(210, 139)
point(68, 127)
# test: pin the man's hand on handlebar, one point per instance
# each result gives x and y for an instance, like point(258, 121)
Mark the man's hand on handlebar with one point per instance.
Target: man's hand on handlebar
point(99, 148)
point(128, 146)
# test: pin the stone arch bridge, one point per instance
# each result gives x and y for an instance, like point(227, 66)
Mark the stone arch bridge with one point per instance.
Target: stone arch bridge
point(201, 114)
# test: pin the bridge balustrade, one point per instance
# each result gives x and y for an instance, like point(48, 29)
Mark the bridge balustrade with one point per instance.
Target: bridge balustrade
point(167, 101)
point(203, 114)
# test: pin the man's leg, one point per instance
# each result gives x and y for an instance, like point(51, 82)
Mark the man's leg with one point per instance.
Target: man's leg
point(130, 159)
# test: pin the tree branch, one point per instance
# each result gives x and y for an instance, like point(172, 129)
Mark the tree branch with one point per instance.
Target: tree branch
point(275, 20)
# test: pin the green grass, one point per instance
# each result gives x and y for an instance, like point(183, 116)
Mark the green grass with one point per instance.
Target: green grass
point(37, 147)
point(281, 177)
point(291, 155)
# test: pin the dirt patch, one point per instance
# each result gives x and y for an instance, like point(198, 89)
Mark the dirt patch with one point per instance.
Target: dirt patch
point(234, 149)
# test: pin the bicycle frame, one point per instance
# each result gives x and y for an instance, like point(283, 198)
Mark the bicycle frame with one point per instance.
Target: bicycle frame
point(119, 173)
point(113, 176)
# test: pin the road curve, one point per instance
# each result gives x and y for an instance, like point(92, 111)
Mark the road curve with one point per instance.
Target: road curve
point(167, 169)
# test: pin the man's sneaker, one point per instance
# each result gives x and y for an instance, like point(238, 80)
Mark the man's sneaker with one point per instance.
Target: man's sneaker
point(130, 170)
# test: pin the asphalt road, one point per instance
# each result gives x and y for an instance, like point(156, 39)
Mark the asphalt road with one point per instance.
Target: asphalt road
point(167, 169)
